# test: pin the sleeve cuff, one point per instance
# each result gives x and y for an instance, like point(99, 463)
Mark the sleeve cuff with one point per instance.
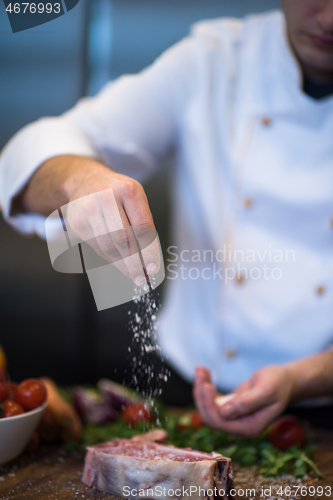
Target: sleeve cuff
point(30, 148)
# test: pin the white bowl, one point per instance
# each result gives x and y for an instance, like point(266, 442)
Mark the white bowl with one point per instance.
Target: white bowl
point(15, 432)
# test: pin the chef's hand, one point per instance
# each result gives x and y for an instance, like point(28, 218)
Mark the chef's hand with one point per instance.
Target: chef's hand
point(255, 404)
point(103, 218)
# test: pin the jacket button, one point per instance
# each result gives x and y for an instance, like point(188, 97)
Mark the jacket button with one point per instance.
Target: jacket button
point(240, 278)
point(321, 290)
point(248, 203)
point(265, 121)
point(231, 354)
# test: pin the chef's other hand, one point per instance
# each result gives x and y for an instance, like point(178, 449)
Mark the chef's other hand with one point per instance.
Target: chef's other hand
point(254, 405)
point(103, 218)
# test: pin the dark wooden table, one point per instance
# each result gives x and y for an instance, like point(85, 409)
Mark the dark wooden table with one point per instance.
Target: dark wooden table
point(53, 474)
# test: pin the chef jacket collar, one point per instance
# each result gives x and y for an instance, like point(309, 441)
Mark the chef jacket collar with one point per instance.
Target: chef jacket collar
point(286, 73)
point(272, 76)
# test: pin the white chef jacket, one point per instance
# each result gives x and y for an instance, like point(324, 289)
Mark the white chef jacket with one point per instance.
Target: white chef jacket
point(254, 174)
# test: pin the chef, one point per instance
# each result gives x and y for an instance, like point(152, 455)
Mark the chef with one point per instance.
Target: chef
point(247, 105)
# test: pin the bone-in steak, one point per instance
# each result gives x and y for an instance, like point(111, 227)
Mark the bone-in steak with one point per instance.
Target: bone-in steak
point(132, 468)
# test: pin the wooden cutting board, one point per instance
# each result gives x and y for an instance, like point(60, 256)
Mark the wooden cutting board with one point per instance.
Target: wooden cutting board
point(53, 474)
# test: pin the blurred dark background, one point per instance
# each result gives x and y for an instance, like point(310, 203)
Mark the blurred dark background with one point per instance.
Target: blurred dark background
point(49, 324)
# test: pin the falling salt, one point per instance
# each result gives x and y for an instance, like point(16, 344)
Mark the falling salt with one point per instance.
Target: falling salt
point(143, 375)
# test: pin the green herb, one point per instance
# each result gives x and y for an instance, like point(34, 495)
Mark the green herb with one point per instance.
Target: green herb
point(294, 461)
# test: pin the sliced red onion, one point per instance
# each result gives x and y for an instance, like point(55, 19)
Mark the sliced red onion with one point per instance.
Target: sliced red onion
point(117, 396)
point(91, 407)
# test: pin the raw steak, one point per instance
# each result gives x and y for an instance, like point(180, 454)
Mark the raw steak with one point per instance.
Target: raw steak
point(138, 468)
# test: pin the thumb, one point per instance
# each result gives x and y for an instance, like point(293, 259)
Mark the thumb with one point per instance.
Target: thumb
point(245, 403)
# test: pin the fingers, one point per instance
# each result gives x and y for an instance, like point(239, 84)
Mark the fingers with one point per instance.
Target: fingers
point(137, 229)
point(252, 411)
point(138, 212)
point(118, 229)
point(267, 388)
point(245, 403)
point(117, 223)
point(204, 394)
point(92, 228)
point(77, 223)
point(202, 374)
point(251, 426)
point(101, 241)
point(222, 400)
point(103, 224)
point(150, 251)
point(129, 253)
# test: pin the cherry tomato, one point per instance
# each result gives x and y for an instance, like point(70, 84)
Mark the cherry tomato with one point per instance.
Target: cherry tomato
point(31, 394)
point(135, 413)
point(190, 420)
point(196, 420)
point(11, 408)
point(11, 389)
point(3, 393)
point(286, 432)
